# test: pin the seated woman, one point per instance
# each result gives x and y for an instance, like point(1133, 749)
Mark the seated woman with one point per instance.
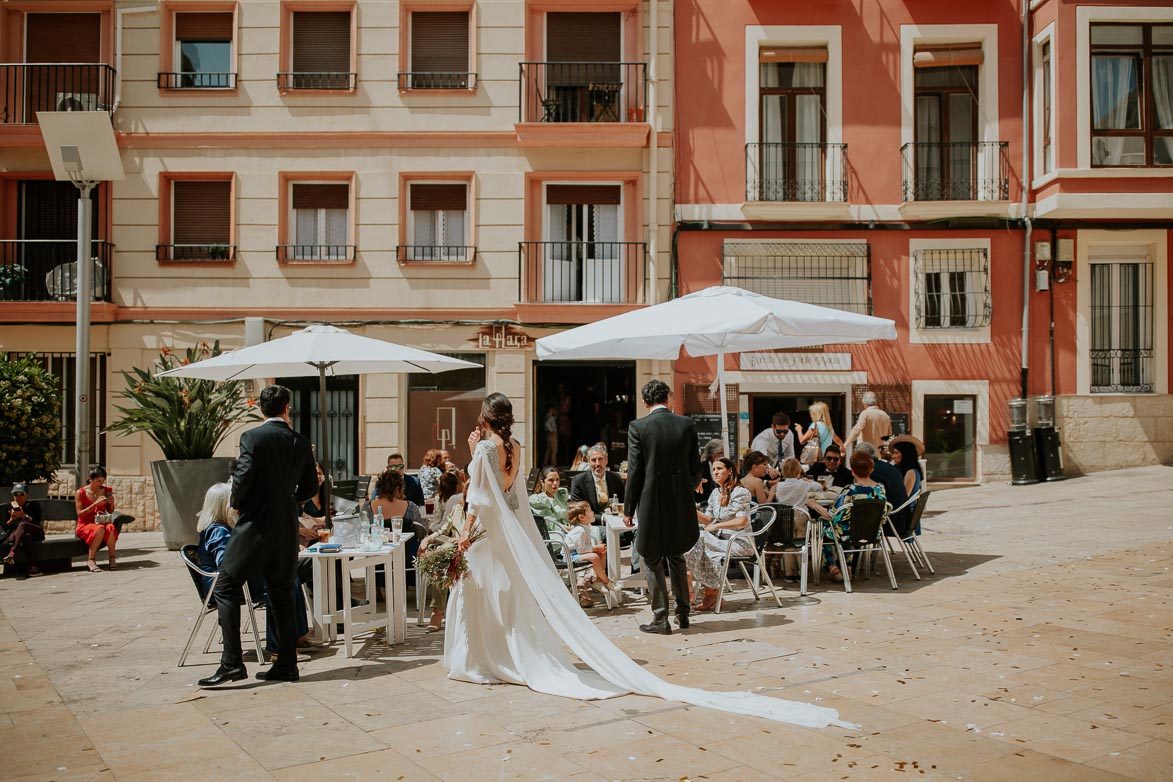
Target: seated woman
point(862, 488)
point(392, 501)
point(548, 502)
point(754, 465)
point(728, 513)
point(315, 507)
point(907, 461)
point(714, 449)
point(448, 528)
point(449, 494)
point(430, 472)
point(93, 499)
point(580, 462)
point(215, 524)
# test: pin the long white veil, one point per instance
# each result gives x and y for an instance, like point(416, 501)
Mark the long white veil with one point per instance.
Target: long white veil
point(516, 546)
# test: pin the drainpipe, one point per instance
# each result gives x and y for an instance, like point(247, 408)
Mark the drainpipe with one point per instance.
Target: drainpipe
point(653, 153)
point(140, 9)
point(1026, 178)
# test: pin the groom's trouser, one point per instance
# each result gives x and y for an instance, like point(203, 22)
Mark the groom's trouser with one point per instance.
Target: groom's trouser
point(227, 596)
point(658, 587)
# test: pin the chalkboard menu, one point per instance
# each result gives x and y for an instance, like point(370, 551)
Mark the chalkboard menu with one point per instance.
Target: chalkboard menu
point(708, 427)
point(899, 423)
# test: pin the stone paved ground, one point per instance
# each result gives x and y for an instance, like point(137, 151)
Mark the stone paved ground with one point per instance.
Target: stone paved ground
point(1042, 649)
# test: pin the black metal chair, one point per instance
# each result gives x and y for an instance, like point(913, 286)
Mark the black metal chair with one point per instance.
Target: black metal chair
point(190, 556)
point(865, 536)
point(783, 541)
point(762, 519)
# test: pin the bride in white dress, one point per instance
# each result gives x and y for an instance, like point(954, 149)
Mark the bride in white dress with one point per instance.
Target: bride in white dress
point(511, 614)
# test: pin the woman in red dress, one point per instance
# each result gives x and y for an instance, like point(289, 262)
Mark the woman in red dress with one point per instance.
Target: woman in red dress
point(91, 500)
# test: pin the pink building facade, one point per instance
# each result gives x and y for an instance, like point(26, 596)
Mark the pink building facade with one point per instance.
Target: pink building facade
point(876, 158)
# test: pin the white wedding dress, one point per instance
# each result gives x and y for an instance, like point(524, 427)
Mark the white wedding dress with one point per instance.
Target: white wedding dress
point(510, 616)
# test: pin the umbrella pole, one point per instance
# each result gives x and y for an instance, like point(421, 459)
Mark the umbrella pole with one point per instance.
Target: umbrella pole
point(324, 438)
point(724, 406)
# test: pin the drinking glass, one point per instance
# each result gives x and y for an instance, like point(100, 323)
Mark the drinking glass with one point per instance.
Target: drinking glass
point(396, 527)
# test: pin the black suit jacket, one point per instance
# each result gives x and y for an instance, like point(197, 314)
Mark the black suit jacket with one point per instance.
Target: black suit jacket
point(582, 488)
point(893, 482)
point(275, 473)
point(663, 469)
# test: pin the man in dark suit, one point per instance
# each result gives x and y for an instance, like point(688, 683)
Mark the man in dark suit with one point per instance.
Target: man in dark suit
point(597, 486)
point(893, 482)
point(275, 473)
point(663, 470)
point(832, 465)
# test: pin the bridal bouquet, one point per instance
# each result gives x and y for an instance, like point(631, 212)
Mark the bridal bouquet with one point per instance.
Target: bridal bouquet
point(445, 564)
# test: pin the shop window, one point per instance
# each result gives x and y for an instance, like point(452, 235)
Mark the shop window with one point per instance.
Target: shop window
point(443, 408)
point(950, 424)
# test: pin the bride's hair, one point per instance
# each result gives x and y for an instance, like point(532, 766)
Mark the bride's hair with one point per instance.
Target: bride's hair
point(497, 415)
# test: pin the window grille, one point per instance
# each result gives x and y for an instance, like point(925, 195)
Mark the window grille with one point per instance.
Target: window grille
point(1121, 328)
point(836, 275)
point(61, 366)
point(952, 288)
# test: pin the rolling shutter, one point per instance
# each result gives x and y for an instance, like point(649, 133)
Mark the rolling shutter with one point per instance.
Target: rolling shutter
point(321, 196)
point(792, 54)
point(321, 42)
point(433, 198)
point(203, 27)
point(602, 195)
point(63, 38)
point(201, 212)
point(439, 42)
point(583, 37)
point(945, 55)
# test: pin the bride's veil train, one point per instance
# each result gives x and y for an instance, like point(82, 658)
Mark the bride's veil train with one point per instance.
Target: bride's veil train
point(510, 622)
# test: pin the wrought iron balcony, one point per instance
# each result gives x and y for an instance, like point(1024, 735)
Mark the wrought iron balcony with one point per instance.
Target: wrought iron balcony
point(447, 253)
point(795, 171)
point(212, 253)
point(583, 272)
point(956, 171)
point(583, 91)
point(46, 270)
point(197, 81)
point(316, 253)
point(437, 81)
point(325, 80)
point(31, 87)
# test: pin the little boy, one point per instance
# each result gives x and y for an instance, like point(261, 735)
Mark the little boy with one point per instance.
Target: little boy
point(583, 549)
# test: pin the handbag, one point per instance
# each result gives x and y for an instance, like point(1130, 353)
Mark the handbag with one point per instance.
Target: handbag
point(812, 452)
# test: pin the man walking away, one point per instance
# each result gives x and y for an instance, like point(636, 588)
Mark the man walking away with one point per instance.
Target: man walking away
point(274, 475)
point(663, 470)
point(873, 425)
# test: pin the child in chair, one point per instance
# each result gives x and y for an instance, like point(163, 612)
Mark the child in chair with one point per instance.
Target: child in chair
point(584, 549)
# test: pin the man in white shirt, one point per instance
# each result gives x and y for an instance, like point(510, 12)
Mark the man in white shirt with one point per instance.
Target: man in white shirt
point(777, 443)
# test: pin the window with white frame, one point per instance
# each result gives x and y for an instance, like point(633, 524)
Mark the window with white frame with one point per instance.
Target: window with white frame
point(1132, 94)
point(952, 288)
point(584, 259)
point(830, 274)
point(438, 222)
point(1121, 321)
point(321, 222)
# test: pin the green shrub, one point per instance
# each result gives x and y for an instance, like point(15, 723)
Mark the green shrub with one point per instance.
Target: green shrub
point(30, 421)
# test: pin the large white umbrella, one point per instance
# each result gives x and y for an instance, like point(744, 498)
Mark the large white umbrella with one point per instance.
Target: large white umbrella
point(322, 351)
point(714, 321)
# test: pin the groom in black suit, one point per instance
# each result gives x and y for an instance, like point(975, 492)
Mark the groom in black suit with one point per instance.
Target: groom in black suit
point(663, 470)
point(274, 475)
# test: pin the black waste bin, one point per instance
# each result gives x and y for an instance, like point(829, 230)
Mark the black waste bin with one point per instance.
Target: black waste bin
point(1022, 458)
point(1048, 460)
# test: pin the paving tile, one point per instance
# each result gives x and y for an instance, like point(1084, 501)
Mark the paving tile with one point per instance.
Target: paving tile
point(277, 737)
point(1063, 737)
point(384, 764)
point(446, 735)
point(1026, 764)
point(516, 762)
point(1149, 762)
point(951, 750)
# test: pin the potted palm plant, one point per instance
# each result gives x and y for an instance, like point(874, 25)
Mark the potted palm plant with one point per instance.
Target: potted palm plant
point(187, 419)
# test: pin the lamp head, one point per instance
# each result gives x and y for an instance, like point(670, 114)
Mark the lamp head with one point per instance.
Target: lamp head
point(71, 158)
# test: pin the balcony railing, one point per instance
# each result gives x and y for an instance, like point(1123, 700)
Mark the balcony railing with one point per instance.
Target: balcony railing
point(795, 172)
point(317, 253)
point(437, 81)
point(586, 272)
point(325, 80)
point(448, 253)
point(197, 81)
point(956, 171)
point(583, 91)
point(211, 253)
point(46, 270)
point(31, 87)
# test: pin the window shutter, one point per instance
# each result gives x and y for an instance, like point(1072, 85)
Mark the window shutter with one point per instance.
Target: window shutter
point(203, 27)
point(792, 54)
point(946, 55)
point(321, 196)
point(321, 42)
point(63, 38)
point(583, 37)
point(439, 42)
point(201, 212)
point(432, 198)
point(583, 194)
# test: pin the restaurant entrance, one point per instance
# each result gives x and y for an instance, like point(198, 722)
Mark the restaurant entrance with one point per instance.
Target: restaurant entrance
point(763, 406)
point(582, 402)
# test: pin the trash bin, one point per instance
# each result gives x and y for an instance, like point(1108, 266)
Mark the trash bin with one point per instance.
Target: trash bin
point(1023, 468)
point(1048, 458)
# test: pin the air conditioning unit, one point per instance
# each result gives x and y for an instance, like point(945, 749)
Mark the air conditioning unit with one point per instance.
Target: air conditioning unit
point(77, 101)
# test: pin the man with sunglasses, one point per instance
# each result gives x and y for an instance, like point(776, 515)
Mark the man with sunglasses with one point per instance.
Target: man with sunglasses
point(832, 464)
point(777, 443)
point(411, 486)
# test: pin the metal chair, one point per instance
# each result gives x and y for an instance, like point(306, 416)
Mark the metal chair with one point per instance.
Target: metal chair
point(563, 562)
point(761, 519)
point(788, 543)
point(910, 541)
point(190, 556)
point(865, 537)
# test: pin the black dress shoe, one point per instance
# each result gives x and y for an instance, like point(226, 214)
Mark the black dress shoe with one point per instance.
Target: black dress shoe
point(660, 629)
point(224, 675)
point(276, 674)
point(682, 621)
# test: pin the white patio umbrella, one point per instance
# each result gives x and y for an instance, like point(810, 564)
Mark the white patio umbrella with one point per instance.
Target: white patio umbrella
point(322, 351)
point(714, 321)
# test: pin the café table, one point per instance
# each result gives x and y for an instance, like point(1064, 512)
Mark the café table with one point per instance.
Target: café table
point(360, 619)
point(615, 527)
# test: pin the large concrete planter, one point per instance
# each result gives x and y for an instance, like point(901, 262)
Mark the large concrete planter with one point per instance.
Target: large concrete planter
point(180, 487)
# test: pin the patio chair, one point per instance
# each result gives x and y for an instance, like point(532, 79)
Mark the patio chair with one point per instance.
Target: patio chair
point(761, 519)
point(782, 540)
point(190, 556)
point(864, 537)
point(910, 541)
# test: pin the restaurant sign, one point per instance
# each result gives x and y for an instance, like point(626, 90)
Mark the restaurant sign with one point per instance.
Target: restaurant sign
point(502, 338)
point(796, 362)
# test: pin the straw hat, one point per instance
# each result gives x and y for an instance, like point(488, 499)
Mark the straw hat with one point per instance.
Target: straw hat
point(907, 438)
